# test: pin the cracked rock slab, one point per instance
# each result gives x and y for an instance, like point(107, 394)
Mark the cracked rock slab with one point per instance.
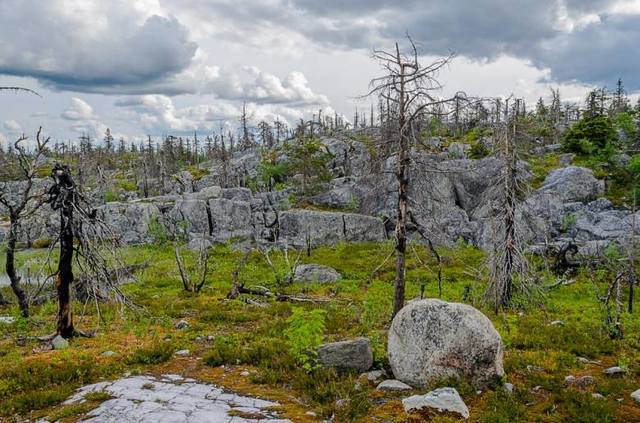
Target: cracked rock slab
point(172, 398)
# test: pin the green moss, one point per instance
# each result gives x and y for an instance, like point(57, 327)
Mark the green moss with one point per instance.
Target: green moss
point(254, 336)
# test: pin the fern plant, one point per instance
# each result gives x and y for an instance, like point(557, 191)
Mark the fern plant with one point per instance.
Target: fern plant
point(304, 334)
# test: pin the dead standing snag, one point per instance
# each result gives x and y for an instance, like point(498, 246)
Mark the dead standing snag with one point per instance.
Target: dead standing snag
point(63, 198)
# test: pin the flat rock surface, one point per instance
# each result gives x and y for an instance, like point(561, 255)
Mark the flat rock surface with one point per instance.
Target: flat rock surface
point(172, 398)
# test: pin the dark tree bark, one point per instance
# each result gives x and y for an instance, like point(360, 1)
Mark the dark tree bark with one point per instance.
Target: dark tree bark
point(63, 199)
point(64, 279)
point(10, 268)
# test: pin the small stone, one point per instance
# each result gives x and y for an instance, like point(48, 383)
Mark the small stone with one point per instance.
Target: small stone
point(42, 348)
point(311, 413)
point(636, 395)
point(579, 381)
point(508, 388)
point(59, 343)
point(596, 395)
point(182, 353)
point(531, 368)
point(392, 385)
point(374, 375)
point(199, 338)
point(182, 324)
point(245, 373)
point(586, 380)
point(7, 319)
point(583, 360)
point(21, 341)
point(442, 399)
point(108, 354)
point(614, 371)
point(210, 338)
point(557, 323)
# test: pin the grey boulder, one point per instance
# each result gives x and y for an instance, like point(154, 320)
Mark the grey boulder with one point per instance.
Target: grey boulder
point(59, 343)
point(354, 354)
point(316, 273)
point(573, 183)
point(432, 340)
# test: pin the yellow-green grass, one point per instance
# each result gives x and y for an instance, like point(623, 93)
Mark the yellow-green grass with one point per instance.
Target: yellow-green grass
point(249, 337)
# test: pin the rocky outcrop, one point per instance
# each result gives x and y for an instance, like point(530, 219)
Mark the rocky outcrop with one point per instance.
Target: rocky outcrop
point(309, 227)
point(450, 199)
point(355, 354)
point(432, 340)
point(130, 222)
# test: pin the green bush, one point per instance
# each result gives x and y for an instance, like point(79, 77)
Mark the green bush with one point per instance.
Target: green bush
point(225, 350)
point(127, 185)
point(478, 150)
point(304, 334)
point(590, 135)
point(308, 157)
point(156, 231)
point(270, 170)
point(159, 352)
point(111, 196)
point(627, 124)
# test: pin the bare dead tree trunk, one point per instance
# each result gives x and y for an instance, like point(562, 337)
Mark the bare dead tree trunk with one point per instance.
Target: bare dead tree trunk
point(64, 278)
point(23, 302)
point(408, 86)
point(631, 276)
point(27, 203)
point(508, 264)
point(510, 242)
point(63, 199)
point(402, 177)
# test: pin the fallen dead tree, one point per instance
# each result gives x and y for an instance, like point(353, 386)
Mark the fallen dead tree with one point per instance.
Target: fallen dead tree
point(238, 287)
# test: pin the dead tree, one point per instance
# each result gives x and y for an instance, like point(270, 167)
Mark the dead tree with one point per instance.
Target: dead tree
point(21, 207)
point(201, 267)
point(631, 256)
point(409, 87)
point(238, 287)
point(283, 277)
point(246, 141)
point(509, 268)
point(85, 236)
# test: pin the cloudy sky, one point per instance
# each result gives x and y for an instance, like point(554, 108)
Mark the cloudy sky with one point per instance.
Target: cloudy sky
point(177, 66)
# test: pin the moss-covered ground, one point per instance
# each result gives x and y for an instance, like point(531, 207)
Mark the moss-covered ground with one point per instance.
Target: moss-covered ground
point(243, 346)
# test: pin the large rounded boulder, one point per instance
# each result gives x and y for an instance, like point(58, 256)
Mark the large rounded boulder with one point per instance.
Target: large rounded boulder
point(573, 184)
point(432, 340)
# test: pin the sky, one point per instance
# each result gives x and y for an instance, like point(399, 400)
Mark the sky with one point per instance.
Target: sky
point(161, 67)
